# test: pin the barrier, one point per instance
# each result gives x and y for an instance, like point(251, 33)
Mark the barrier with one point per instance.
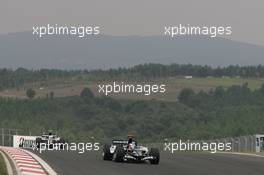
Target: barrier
point(24, 141)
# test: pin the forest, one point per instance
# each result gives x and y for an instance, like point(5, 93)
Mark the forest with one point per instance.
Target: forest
point(221, 112)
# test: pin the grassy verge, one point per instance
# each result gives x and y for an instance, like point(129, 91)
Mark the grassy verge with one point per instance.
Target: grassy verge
point(3, 170)
point(173, 87)
point(211, 82)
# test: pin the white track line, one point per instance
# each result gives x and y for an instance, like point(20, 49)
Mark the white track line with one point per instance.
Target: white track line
point(8, 165)
point(243, 154)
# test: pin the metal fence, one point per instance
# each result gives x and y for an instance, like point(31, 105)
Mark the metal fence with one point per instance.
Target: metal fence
point(238, 144)
point(245, 144)
point(6, 136)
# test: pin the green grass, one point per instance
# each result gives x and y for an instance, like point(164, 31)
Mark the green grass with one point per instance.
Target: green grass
point(174, 85)
point(212, 82)
point(3, 170)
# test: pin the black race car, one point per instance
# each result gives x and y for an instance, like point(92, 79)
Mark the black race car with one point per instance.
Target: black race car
point(129, 151)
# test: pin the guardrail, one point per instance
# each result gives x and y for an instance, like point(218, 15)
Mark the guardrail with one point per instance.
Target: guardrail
point(246, 144)
point(238, 144)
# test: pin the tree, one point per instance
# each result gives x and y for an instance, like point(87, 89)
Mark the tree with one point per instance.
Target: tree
point(262, 90)
point(185, 95)
point(219, 92)
point(51, 95)
point(30, 93)
point(87, 93)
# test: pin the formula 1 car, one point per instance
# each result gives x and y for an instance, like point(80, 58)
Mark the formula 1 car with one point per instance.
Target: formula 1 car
point(123, 151)
point(50, 141)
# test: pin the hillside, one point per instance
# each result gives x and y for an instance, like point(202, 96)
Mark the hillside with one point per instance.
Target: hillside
point(65, 83)
point(104, 52)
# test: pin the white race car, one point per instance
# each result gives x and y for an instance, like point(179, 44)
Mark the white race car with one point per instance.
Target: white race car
point(50, 141)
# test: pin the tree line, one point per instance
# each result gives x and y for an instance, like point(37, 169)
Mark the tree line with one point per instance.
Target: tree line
point(16, 78)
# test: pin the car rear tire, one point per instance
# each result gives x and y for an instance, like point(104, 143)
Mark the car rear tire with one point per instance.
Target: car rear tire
point(119, 154)
point(106, 152)
point(38, 142)
point(154, 152)
point(62, 143)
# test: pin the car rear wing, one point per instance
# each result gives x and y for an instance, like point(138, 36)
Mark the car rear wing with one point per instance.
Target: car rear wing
point(119, 142)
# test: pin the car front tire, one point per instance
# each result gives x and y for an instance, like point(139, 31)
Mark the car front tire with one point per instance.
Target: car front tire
point(154, 152)
point(119, 154)
point(106, 152)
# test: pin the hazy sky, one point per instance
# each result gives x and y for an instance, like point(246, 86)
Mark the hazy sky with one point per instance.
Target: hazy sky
point(137, 17)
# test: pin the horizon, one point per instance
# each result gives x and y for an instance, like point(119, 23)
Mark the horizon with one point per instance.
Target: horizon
point(133, 66)
point(147, 36)
point(118, 17)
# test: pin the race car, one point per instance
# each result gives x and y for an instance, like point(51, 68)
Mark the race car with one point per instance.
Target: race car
point(129, 151)
point(50, 140)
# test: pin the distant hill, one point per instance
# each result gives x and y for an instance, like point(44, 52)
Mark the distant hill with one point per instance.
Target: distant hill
point(25, 50)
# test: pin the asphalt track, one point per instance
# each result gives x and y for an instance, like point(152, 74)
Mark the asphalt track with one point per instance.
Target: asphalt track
point(91, 163)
